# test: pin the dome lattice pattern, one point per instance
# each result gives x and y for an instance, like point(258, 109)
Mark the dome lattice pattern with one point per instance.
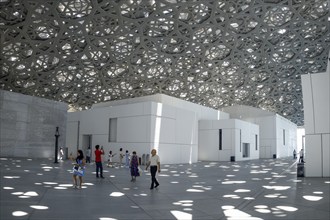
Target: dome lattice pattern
point(215, 53)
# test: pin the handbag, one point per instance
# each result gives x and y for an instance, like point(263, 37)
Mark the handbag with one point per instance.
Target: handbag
point(140, 170)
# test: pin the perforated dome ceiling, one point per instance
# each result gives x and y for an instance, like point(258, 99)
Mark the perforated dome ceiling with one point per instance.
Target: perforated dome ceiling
point(214, 53)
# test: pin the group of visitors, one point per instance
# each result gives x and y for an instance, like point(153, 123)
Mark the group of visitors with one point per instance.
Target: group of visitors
point(131, 161)
point(301, 155)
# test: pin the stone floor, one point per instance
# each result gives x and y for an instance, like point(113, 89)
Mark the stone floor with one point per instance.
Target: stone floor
point(258, 189)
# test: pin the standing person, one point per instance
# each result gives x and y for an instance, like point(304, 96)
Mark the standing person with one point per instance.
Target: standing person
point(98, 161)
point(111, 155)
point(294, 154)
point(121, 156)
point(78, 169)
point(134, 165)
point(154, 163)
point(127, 157)
point(301, 156)
point(61, 154)
point(88, 155)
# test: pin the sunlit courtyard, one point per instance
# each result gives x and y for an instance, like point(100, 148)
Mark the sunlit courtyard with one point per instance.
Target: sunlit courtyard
point(257, 189)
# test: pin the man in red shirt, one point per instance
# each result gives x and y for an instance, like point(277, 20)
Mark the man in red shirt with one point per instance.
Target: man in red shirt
point(98, 161)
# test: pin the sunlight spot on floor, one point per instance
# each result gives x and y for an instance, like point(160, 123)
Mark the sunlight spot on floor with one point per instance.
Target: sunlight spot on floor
point(50, 183)
point(277, 187)
point(233, 182)
point(232, 196)
point(287, 208)
point(31, 193)
point(272, 196)
point(261, 206)
point(242, 190)
point(39, 207)
point(7, 187)
point(227, 207)
point(313, 198)
point(116, 194)
point(174, 182)
point(17, 193)
point(38, 184)
point(235, 214)
point(181, 215)
point(265, 211)
point(318, 192)
point(248, 198)
point(278, 176)
point(193, 176)
point(19, 213)
point(11, 177)
point(106, 218)
point(60, 187)
point(187, 205)
point(194, 190)
point(24, 197)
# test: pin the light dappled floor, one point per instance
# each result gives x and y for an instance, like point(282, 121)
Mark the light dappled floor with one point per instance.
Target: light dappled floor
point(257, 189)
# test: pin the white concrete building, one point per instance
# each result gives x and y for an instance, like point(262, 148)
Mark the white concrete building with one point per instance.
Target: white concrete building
point(316, 97)
point(278, 135)
point(158, 121)
point(228, 140)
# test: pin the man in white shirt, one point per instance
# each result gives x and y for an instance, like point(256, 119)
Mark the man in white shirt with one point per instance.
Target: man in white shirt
point(154, 163)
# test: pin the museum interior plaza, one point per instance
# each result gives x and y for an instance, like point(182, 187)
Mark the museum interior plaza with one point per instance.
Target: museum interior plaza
point(256, 189)
point(226, 91)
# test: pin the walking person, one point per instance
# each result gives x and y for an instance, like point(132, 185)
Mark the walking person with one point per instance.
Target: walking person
point(78, 170)
point(154, 163)
point(134, 165)
point(98, 161)
point(301, 156)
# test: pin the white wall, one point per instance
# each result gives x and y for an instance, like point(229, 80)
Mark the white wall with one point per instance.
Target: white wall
point(267, 130)
point(231, 129)
point(316, 97)
point(285, 149)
